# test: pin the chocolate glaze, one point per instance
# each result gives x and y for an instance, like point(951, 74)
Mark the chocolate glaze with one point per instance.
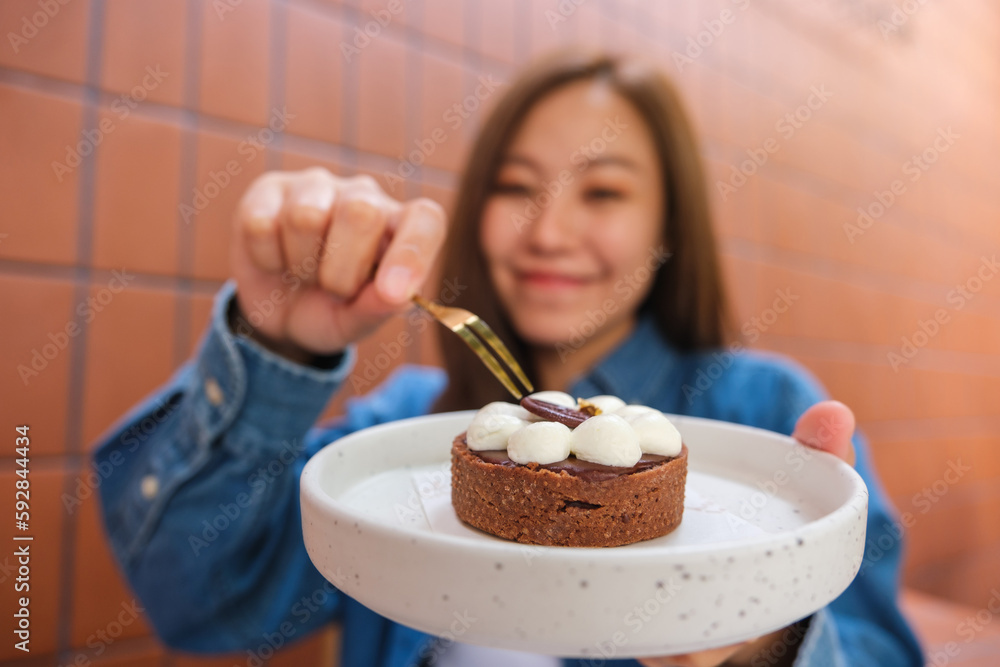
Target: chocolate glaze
point(592, 472)
point(555, 413)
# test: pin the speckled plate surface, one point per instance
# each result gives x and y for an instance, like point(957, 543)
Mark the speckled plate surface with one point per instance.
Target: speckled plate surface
point(772, 532)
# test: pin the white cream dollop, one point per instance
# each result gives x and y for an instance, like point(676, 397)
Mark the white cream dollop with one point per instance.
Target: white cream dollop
point(557, 397)
point(629, 411)
point(607, 403)
point(608, 440)
point(500, 407)
point(540, 442)
point(493, 425)
point(656, 434)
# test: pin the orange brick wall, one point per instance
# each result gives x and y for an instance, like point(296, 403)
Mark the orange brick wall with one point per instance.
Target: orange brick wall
point(210, 76)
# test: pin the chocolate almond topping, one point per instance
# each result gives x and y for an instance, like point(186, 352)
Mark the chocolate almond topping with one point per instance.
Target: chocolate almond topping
point(554, 413)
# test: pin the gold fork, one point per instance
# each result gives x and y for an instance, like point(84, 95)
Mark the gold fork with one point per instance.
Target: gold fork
point(464, 323)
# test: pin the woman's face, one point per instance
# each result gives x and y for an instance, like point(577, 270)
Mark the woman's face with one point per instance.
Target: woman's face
point(572, 232)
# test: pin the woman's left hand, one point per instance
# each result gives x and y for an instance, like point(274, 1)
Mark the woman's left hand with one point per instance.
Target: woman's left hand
point(827, 426)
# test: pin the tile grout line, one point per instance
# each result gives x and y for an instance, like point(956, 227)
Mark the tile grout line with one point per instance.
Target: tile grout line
point(350, 13)
point(349, 87)
point(188, 164)
point(78, 359)
point(277, 62)
point(48, 462)
point(756, 280)
point(60, 272)
point(858, 276)
point(874, 354)
point(523, 37)
point(969, 493)
point(413, 69)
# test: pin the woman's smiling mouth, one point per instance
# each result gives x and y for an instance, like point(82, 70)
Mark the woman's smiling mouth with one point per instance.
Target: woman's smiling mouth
point(547, 280)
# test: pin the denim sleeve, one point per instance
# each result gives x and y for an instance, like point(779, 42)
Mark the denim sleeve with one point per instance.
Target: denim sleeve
point(864, 627)
point(199, 496)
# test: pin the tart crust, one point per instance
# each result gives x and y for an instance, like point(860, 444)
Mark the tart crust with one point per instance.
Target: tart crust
point(535, 505)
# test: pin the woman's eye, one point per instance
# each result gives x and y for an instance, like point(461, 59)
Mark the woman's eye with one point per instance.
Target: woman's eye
point(512, 189)
point(597, 194)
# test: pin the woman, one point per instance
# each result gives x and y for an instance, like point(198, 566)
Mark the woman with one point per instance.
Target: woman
point(581, 234)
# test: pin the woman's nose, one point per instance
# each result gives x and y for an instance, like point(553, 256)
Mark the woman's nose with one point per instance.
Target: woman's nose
point(555, 226)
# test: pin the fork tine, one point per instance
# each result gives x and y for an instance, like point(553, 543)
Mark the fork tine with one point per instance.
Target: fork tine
point(488, 359)
point(494, 342)
point(464, 323)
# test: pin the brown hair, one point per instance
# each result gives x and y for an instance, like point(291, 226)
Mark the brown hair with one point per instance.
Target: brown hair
point(687, 298)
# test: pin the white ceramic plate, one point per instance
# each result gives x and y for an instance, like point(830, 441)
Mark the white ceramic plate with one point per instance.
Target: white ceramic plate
point(772, 532)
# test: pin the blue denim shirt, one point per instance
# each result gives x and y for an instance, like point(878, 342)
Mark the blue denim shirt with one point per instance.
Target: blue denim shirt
point(200, 494)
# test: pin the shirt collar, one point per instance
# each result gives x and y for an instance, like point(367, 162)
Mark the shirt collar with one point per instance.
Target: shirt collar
point(635, 369)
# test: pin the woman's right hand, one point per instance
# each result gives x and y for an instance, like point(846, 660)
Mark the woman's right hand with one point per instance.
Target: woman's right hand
point(320, 261)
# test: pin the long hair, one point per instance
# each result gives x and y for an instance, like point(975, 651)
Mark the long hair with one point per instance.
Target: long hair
point(687, 298)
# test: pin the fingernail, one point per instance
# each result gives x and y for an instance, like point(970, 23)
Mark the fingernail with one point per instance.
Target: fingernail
point(396, 283)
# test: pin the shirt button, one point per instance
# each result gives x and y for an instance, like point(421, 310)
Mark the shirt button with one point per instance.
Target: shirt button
point(214, 392)
point(149, 486)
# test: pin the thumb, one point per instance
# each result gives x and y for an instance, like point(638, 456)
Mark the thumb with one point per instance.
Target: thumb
point(828, 426)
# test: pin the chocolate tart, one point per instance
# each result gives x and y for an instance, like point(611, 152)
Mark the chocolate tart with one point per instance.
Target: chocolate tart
point(572, 503)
